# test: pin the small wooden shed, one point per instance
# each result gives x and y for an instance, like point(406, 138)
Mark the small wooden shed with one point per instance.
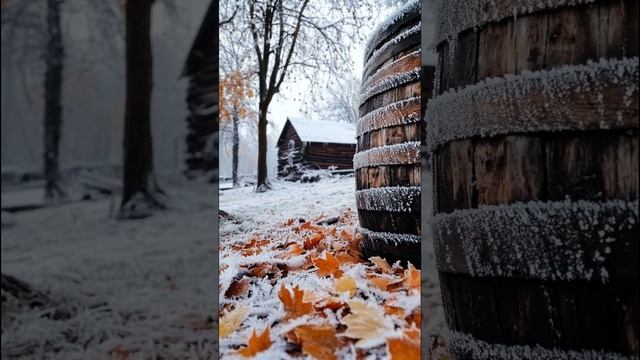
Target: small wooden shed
point(306, 144)
point(201, 68)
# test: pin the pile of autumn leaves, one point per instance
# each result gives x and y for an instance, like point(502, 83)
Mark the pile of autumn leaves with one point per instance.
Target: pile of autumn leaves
point(361, 324)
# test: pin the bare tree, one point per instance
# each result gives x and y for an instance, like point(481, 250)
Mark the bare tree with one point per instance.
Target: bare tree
point(300, 37)
point(53, 101)
point(39, 23)
point(140, 191)
point(342, 99)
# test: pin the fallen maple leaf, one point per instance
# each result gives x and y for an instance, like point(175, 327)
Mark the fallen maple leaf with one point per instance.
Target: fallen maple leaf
point(295, 249)
point(231, 320)
point(313, 240)
point(346, 284)
point(256, 343)
point(237, 288)
point(318, 341)
point(333, 303)
point(383, 282)
point(294, 305)
point(382, 264)
point(366, 323)
point(415, 317)
point(263, 269)
point(406, 347)
point(310, 226)
point(394, 310)
point(120, 353)
point(345, 235)
point(328, 266)
point(345, 258)
point(412, 278)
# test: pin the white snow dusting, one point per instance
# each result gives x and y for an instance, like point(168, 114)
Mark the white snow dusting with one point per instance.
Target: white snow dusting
point(393, 199)
point(559, 240)
point(465, 346)
point(538, 101)
point(388, 116)
point(397, 154)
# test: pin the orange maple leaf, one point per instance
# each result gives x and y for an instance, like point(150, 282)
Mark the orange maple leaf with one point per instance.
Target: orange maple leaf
point(382, 264)
point(295, 249)
point(238, 288)
point(318, 341)
point(310, 226)
point(328, 266)
point(412, 278)
point(406, 347)
point(256, 343)
point(345, 258)
point(313, 240)
point(383, 282)
point(394, 310)
point(293, 302)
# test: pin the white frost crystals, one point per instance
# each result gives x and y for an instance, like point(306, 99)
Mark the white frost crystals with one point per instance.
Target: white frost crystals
point(595, 95)
point(467, 347)
point(393, 199)
point(389, 82)
point(388, 116)
point(556, 240)
point(382, 31)
point(388, 237)
point(455, 16)
point(397, 154)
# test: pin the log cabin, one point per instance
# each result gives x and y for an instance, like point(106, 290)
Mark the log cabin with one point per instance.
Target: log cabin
point(313, 145)
point(201, 68)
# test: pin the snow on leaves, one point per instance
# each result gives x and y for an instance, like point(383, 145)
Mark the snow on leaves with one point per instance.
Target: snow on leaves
point(313, 294)
point(293, 302)
point(256, 343)
point(367, 323)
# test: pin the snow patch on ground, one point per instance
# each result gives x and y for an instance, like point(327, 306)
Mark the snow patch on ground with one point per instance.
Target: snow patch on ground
point(143, 287)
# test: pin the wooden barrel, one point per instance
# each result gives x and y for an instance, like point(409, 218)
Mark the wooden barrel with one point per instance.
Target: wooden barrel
point(387, 159)
point(533, 132)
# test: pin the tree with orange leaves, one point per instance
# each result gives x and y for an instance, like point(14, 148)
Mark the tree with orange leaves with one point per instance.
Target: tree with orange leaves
point(235, 100)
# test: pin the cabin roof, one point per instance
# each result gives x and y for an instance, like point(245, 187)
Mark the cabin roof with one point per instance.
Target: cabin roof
point(323, 131)
point(205, 42)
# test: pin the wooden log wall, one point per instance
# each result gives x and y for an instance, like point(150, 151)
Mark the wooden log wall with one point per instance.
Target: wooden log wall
point(202, 101)
point(535, 145)
point(389, 132)
point(312, 155)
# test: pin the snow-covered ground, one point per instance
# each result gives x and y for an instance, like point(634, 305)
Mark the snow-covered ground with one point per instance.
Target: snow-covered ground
point(143, 288)
point(263, 234)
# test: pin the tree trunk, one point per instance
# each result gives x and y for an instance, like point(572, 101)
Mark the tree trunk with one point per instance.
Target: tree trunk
point(139, 185)
point(53, 101)
point(262, 181)
point(234, 149)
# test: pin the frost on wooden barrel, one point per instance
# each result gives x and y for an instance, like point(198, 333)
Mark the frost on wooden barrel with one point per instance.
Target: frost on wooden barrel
point(389, 134)
point(534, 136)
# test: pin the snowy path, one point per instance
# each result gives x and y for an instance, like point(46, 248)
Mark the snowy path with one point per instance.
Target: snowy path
point(140, 287)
